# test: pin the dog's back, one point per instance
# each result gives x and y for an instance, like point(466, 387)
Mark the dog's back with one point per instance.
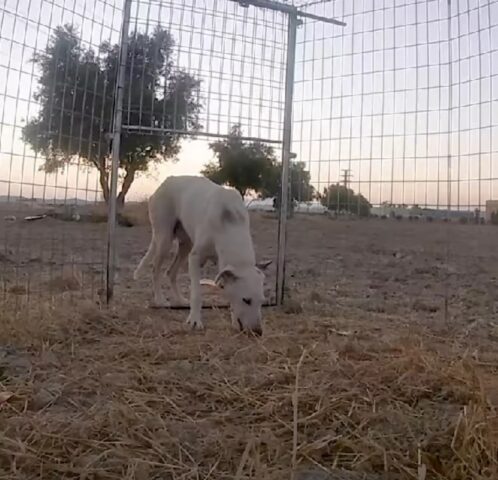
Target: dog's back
point(196, 200)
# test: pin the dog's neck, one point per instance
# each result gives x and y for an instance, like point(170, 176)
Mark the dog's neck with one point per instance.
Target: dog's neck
point(234, 247)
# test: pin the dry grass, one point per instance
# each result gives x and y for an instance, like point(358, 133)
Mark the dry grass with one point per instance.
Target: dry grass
point(134, 214)
point(137, 212)
point(68, 279)
point(132, 394)
point(385, 389)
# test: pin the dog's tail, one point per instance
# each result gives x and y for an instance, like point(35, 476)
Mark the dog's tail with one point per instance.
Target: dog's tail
point(145, 260)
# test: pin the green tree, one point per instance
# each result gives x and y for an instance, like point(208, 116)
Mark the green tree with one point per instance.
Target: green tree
point(340, 198)
point(253, 166)
point(76, 91)
point(239, 164)
point(299, 180)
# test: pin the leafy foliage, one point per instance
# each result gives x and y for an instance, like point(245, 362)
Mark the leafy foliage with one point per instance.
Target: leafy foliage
point(299, 179)
point(494, 218)
point(242, 165)
point(76, 92)
point(342, 199)
point(253, 166)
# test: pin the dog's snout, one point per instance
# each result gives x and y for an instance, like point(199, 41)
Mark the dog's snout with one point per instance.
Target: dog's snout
point(258, 331)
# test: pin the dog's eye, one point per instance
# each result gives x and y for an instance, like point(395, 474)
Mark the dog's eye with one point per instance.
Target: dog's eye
point(247, 301)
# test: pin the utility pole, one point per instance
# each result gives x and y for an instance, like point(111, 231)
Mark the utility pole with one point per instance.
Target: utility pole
point(346, 177)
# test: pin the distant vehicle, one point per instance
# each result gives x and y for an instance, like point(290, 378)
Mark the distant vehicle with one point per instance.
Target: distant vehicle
point(313, 208)
point(267, 205)
point(260, 204)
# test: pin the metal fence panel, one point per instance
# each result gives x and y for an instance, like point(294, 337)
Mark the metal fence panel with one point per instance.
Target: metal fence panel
point(54, 126)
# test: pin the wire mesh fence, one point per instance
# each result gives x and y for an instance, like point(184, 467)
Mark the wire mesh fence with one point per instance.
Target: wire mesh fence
point(399, 104)
point(195, 73)
point(231, 59)
point(395, 117)
point(55, 107)
point(392, 114)
point(200, 74)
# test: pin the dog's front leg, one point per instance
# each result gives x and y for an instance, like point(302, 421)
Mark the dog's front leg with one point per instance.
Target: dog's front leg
point(194, 270)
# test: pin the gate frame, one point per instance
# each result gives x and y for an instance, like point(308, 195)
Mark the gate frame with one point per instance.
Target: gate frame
point(294, 16)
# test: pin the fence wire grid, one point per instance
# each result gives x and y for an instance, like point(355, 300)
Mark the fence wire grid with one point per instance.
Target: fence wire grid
point(402, 102)
point(399, 107)
point(47, 177)
point(236, 54)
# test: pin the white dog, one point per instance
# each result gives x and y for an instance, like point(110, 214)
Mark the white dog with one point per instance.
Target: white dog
point(208, 222)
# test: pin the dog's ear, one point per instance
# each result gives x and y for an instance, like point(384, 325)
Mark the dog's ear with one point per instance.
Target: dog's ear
point(224, 277)
point(227, 275)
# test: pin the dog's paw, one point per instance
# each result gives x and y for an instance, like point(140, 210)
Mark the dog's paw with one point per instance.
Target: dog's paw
point(195, 321)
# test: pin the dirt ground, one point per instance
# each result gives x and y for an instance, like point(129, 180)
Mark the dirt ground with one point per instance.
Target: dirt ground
point(381, 364)
point(410, 269)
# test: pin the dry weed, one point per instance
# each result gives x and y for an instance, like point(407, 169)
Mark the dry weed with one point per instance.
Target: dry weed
point(69, 278)
point(133, 214)
point(133, 394)
point(137, 213)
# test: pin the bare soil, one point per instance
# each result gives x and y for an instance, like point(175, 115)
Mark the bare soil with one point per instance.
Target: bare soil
point(421, 270)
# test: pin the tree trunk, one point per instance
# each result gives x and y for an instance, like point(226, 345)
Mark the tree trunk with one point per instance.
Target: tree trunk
point(127, 182)
point(104, 181)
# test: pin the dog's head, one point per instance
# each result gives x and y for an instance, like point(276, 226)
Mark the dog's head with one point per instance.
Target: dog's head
point(244, 289)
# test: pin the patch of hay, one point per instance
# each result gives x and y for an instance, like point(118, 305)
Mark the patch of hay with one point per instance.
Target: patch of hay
point(97, 214)
point(70, 279)
point(134, 213)
point(17, 290)
point(137, 213)
point(137, 395)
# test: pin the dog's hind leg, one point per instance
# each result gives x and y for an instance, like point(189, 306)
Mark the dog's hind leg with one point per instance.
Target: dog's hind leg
point(163, 221)
point(184, 247)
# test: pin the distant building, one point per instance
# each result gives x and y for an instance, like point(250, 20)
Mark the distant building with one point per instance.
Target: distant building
point(404, 211)
point(392, 211)
point(491, 207)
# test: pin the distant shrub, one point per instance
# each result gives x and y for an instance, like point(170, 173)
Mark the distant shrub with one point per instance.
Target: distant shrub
point(342, 199)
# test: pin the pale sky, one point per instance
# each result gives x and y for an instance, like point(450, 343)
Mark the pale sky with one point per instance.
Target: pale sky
point(372, 97)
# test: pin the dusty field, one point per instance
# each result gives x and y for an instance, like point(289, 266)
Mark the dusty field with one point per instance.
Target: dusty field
point(382, 364)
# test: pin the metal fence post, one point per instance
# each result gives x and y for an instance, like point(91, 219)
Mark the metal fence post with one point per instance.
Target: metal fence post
point(449, 162)
point(116, 140)
point(286, 153)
